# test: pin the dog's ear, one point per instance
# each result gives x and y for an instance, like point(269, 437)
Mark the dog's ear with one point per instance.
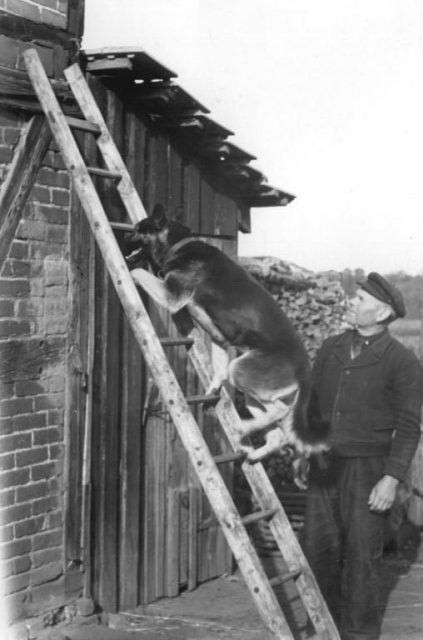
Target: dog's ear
point(159, 216)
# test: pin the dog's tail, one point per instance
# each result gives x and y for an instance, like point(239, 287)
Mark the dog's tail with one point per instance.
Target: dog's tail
point(309, 428)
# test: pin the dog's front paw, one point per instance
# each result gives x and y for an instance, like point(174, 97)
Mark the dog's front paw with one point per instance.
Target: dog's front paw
point(240, 435)
point(136, 259)
point(248, 453)
point(213, 390)
point(210, 401)
point(215, 386)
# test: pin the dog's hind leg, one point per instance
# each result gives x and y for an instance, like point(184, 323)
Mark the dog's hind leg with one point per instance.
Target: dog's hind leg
point(271, 412)
point(275, 441)
point(274, 437)
point(157, 290)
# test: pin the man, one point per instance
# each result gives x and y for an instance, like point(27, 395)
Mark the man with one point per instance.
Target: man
point(370, 388)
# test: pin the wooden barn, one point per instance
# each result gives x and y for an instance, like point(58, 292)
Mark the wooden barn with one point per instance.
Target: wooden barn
point(97, 495)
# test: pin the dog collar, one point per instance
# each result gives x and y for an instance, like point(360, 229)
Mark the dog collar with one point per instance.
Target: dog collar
point(174, 248)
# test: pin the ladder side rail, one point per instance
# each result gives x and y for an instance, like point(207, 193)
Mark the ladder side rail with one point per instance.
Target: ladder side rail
point(27, 159)
point(144, 332)
point(105, 143)
point(267, 498)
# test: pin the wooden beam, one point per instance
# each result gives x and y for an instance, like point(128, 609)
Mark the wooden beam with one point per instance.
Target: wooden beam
point(31, 107)
point(22, 29)
point(76, 11)
point(15, 104)
point(27, 159)
point(107, 65)
point(244, 220)
point(15, 83)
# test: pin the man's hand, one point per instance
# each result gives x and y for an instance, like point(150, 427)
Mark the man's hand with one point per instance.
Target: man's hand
point(383, 494)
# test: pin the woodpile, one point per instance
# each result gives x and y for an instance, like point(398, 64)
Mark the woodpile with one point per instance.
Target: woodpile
point(314, 302)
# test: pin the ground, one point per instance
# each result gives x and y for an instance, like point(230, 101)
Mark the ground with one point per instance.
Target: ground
point(223, 610)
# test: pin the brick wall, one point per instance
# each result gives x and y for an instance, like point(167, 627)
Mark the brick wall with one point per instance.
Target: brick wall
point(33, 334)
point(51, 12)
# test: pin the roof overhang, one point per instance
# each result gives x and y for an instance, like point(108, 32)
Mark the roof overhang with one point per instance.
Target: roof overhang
point(148, 85)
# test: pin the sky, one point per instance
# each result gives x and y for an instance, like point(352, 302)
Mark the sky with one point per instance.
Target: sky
point(328, 95)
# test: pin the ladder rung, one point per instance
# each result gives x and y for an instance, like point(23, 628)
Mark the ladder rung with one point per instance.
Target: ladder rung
point(191, 400)
point(122, 226)
point(229, 457)
point(266, 514)
point(203, 399)
point(252, 517)
point(284, 577)
point(176, 342)
point(83, 125)
point(208, 524)
point(104, 173)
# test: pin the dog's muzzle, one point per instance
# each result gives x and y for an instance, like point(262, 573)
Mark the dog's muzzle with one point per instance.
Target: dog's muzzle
point(135, 256)
point(134, 250)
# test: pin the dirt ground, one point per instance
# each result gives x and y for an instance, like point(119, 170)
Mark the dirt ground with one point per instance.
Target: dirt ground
point(222, 609)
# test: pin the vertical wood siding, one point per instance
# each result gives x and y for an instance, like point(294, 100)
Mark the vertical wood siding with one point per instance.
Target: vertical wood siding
point(146, 501)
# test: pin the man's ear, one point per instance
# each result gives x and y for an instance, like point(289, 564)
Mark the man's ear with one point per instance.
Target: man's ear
point(158, 216)
point(384, 312)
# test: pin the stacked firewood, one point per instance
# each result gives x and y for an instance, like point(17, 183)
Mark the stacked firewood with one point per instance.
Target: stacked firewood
point(314, 302)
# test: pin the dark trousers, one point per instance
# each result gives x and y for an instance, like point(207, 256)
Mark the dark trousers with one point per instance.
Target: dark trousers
point(343, 541)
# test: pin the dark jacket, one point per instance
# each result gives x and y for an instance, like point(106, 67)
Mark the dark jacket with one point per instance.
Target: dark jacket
point(372, 402)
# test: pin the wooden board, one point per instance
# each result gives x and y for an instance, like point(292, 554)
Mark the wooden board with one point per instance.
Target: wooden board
point(226, 216)
point(192, 198)
point(78, 382)
point(27, 159)
point(176, 185)
point(207, 213)
point(153, 563)
point(106, 438)
point(172, 582)
point(133, 382)
point(156, 187)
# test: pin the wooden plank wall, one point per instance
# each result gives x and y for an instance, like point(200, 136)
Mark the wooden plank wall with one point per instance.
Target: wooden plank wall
point(106, 407)
point(132, 389)
point(147, 506)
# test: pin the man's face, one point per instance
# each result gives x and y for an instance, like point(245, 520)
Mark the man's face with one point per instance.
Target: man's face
point(364, 310)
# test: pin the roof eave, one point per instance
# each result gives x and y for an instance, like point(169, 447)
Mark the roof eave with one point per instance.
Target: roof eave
point(148, 84)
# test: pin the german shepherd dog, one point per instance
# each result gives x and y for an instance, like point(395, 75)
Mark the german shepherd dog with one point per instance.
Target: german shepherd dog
point(272, 371)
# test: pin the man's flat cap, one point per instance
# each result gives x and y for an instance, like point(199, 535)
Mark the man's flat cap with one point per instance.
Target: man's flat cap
point(383, 290)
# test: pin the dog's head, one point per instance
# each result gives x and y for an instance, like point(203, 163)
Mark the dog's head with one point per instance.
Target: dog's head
point(153, 237)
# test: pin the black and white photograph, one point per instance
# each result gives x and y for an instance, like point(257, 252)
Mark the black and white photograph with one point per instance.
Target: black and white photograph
point(211, 307)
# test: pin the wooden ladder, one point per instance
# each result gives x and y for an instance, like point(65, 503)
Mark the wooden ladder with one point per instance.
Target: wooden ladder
point(206, 467)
